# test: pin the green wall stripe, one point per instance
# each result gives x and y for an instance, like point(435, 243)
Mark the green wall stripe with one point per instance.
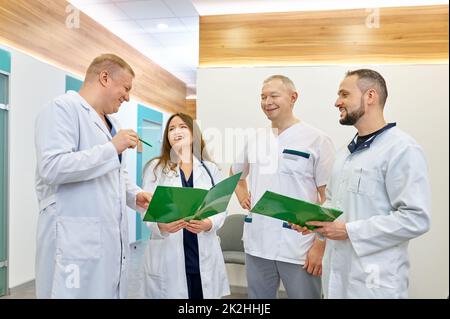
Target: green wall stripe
point(5, 61)
point(73, 84)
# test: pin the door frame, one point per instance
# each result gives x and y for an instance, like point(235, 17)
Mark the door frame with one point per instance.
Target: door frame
point(6, 168)
point(150, 115)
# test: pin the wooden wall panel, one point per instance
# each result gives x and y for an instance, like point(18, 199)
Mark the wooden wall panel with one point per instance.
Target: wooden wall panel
point(38, 27)
point(405, 35)
point(191, 107)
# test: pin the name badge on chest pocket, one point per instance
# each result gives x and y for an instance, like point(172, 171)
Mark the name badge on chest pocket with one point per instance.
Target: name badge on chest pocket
point(294, 162)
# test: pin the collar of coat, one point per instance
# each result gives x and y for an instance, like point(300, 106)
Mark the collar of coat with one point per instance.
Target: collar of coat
point(353, 147)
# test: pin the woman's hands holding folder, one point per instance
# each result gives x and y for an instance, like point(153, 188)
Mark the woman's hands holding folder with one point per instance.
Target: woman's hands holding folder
point(194, 226)
point(172, 227)
point(197, 226)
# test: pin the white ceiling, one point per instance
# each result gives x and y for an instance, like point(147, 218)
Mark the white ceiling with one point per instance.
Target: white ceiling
point(176, 47)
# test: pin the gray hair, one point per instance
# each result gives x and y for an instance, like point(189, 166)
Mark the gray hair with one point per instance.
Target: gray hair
point(286, 81)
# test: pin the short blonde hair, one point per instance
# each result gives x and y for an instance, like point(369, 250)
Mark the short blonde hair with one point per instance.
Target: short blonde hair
point(107, 62)
point(286, 81)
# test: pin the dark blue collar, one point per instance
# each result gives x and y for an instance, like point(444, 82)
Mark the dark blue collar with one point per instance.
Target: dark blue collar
point(353, 147)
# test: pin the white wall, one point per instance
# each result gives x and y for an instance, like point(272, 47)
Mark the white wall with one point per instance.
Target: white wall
point(418, 102)
point(32, 84)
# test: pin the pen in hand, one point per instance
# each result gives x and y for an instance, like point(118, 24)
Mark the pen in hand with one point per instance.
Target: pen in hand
point(145, 142)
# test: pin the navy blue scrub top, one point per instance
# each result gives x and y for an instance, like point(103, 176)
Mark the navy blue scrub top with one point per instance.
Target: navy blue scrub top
point(190, 240)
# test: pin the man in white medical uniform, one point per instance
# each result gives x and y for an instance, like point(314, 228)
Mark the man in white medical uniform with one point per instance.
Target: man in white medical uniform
point(299, 165)
point(380, 181)
point(83, 188)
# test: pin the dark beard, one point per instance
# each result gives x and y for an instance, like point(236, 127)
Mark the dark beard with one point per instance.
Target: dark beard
point(353, 117)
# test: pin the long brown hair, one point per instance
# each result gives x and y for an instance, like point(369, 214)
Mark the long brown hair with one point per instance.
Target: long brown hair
point(198, 145)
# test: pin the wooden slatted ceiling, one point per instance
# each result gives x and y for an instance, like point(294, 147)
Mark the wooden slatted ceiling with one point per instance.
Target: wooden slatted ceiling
point(38, 27)
point(405, 35)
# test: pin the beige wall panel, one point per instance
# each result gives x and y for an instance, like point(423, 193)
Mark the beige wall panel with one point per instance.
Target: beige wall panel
point(191, 106)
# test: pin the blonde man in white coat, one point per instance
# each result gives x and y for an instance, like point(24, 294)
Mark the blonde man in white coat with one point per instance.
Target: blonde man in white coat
point(83, 188)
point(183, 259)
point(380, 181)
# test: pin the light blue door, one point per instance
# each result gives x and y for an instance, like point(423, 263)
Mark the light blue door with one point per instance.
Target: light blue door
point(3, 182)
point(150, 130)
point(5, 69)
point(73, 84)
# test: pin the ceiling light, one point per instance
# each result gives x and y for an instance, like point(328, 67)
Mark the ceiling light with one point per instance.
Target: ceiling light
point(162, 26)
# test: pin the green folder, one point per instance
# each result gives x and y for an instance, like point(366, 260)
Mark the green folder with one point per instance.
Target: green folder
point(173, 203)
point(293, 210)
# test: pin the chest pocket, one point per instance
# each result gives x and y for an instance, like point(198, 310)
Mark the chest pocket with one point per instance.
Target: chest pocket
point(362, 181)
point(294, 162)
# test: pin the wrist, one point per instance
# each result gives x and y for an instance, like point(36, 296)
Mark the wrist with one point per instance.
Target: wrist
point(243, 200)
point(209, 224)
point(345, 230)
point(319, 243)
point(161, 228)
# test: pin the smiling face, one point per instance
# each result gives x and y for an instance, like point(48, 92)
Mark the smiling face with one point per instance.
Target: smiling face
point(350, 101)
point(277, 100)
point(118, 90)
point(179, 133)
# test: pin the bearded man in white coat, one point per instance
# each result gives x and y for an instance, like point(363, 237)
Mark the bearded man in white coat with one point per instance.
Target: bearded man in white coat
point(83, 187)
point(380, 182)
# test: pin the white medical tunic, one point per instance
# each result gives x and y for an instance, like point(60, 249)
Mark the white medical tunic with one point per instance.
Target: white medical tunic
point(383, 189)
point(298, 161)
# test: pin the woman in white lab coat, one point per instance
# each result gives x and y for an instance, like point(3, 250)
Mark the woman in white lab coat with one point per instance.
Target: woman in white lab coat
point(183, 259)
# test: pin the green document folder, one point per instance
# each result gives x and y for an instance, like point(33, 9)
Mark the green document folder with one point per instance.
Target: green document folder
point(173, 203)
point(293, 210)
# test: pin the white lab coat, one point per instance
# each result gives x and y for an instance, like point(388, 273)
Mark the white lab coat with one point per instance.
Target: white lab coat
point(384, 193)
point(83, 190)
point(164, 266)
